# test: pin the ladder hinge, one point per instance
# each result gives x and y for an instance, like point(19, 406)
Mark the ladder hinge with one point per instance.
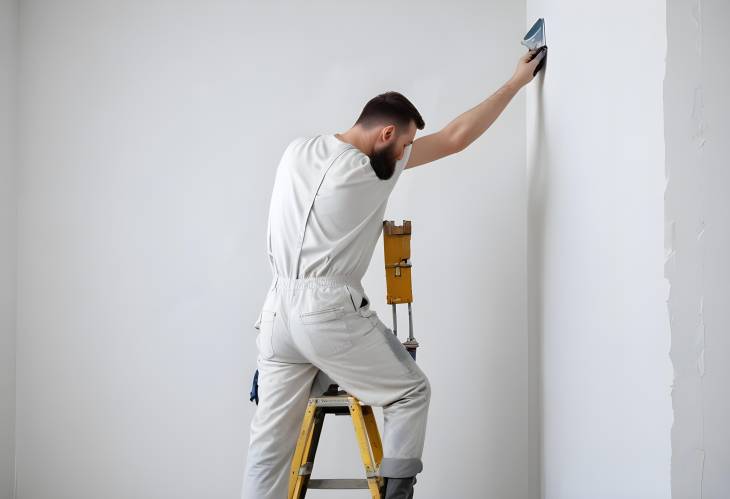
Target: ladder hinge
point(306, 469)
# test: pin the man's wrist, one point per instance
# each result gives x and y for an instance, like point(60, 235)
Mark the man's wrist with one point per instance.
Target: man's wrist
point(513, 85)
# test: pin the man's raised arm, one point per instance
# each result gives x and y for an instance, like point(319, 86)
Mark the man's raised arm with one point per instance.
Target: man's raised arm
point(468, 126)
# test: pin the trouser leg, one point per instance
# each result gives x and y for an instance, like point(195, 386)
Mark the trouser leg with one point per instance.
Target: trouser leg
point(368, 361)
point(283, 395)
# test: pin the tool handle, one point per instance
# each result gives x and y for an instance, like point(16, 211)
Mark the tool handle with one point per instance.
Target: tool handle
point(540, 64)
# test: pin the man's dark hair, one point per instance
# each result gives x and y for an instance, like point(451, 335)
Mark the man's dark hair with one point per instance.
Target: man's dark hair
point(390, 108)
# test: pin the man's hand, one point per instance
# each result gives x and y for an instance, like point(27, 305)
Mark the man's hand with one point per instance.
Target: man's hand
point(525, 71)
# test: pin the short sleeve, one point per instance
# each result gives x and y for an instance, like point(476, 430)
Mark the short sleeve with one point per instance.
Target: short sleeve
point(400, 165)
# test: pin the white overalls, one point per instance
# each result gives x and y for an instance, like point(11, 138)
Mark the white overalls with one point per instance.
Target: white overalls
point(325, 218)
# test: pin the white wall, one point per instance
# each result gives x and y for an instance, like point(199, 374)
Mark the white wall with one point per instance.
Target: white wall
point(8, 49)
point(149, 139)
point(597, 315)
point(697, 212)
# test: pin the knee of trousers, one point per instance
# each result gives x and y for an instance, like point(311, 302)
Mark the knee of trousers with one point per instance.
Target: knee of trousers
point(418, 394)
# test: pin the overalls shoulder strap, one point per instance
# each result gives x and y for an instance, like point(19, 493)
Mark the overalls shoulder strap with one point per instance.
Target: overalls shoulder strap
point(313, 195)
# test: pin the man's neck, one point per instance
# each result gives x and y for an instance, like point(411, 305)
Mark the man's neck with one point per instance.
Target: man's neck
point(357, 139)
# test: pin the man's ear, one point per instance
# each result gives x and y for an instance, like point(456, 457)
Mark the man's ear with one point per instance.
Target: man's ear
point(388, 132)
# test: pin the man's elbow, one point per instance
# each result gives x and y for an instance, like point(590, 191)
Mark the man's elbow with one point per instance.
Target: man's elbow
point(457, 142)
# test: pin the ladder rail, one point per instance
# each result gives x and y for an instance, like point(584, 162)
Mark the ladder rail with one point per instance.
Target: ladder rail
point(301, 450)
point(368, 440)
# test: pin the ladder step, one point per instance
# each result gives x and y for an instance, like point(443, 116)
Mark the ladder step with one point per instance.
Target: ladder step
point(338, 483)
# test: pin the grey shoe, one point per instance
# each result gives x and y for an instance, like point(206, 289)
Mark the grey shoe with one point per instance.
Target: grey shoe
point(399, 488)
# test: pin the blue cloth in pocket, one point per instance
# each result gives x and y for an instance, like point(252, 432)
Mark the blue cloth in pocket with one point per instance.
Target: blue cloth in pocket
point(255, 388)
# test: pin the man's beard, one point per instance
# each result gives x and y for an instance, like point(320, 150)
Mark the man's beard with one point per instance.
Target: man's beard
point(383, 162)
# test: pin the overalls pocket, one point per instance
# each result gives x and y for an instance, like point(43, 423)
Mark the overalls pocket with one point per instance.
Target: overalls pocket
point(323, 315)
point(265, 336)
point(359, 302)
point(326, 330)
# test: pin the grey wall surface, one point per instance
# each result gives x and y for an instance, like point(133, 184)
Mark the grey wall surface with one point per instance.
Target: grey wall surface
point(599, 332)
point(149, 138)
point(696, 107)
point(8, 169)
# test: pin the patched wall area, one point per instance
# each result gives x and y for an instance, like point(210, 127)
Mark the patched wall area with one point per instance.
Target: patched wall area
point(696, 107)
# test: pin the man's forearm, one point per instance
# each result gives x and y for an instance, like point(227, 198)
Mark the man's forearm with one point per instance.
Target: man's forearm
point(468, 126)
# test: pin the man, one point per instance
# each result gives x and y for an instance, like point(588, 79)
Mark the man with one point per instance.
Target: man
point(325, 218)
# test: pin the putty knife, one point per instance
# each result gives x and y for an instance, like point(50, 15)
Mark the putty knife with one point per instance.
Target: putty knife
point(535, 40)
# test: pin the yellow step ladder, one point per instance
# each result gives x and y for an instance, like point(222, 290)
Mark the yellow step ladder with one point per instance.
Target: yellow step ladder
point(368, 440)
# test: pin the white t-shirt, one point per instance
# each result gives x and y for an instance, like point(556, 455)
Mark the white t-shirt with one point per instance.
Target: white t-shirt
point(346, 216)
